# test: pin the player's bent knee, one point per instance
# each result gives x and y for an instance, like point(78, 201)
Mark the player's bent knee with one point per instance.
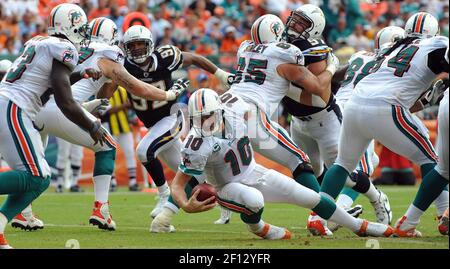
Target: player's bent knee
point(303, 167)
point(44, 184)
point(254, 200)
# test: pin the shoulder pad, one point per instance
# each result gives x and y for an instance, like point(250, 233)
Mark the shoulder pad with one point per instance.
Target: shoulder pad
point(287, 53)
point(243, 45)
point(170, 57)
point(436, 41)
point(113, 53)
point(361, 53)
point(62, 51)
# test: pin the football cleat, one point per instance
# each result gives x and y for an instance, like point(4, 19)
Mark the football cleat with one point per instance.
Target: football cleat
point(225, 216)
point(374, 229)
point(162, 199)
point(76, 188)
point(59, 188)
point(272, 232)
point(382, 209)
point(134, 187)
point(443, 223)
point(3, 243)
point(113, 188)
point(404, 229)
point(30, 224)
point(355, 211)
point(318, 226)
point(101, 217)
point(161, 223)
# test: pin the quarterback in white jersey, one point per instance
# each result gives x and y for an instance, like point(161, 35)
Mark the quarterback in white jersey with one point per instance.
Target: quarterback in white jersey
point(414, 60)
point(218, 146)
point(265, 69)
point(46, 62)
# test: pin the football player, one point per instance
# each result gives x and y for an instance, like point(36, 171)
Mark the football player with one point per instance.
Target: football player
point(317, 118)
point(349, 79)
point(103, 56)
point(219, 147)
point(165, 124)
point(404, 70)
point(265, 69)
point(46, 62)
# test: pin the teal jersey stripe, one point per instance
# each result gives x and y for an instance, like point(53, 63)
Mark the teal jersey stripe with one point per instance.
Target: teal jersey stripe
point(191, 172)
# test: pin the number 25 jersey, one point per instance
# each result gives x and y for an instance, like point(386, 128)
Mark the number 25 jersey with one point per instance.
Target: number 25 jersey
point(28, 80)
point(405, 74)
point(165, 60)
point(257, 79)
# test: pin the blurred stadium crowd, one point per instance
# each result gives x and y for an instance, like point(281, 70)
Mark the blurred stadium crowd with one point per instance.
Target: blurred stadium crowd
point(216, 27)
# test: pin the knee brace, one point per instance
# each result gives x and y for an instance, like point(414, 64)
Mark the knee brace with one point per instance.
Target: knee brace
point(104, 162)
point(362, 181)
point(303, 167)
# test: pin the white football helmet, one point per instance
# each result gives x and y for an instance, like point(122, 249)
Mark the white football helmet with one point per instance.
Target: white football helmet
point(422, 24)
point(69, 20)
point(205, 112)
point(266, 29)
point(4, 66)
point(307, 21)
point(387, 35)
point(138, 33)
point(103, 30)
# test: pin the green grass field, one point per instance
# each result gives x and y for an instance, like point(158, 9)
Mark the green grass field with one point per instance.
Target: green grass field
point(66, 217)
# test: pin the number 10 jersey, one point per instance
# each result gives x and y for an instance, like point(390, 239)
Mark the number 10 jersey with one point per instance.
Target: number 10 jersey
point(223, 158)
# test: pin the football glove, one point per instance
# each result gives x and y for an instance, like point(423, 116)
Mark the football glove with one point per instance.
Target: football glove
point(225, 78)
point(177, 89)
point(433, 95)
point(97, 106)
point(98, 133)
point(332, 63)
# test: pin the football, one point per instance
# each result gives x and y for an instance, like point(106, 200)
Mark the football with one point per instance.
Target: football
point(206, 191)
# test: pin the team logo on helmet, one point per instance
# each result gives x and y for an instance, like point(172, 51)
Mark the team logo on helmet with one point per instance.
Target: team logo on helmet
point(276, 28)
point(75, 16)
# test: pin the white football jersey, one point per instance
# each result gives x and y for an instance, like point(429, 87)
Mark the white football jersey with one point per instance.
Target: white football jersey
point(257, 79)
point(222, 160)
point(352, 75)
point(405, 74)
point(28, 80)
point(85, 88)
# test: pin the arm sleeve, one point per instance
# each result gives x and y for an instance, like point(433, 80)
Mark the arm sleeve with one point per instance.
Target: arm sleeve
point(171, 57)
point(437, 61)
